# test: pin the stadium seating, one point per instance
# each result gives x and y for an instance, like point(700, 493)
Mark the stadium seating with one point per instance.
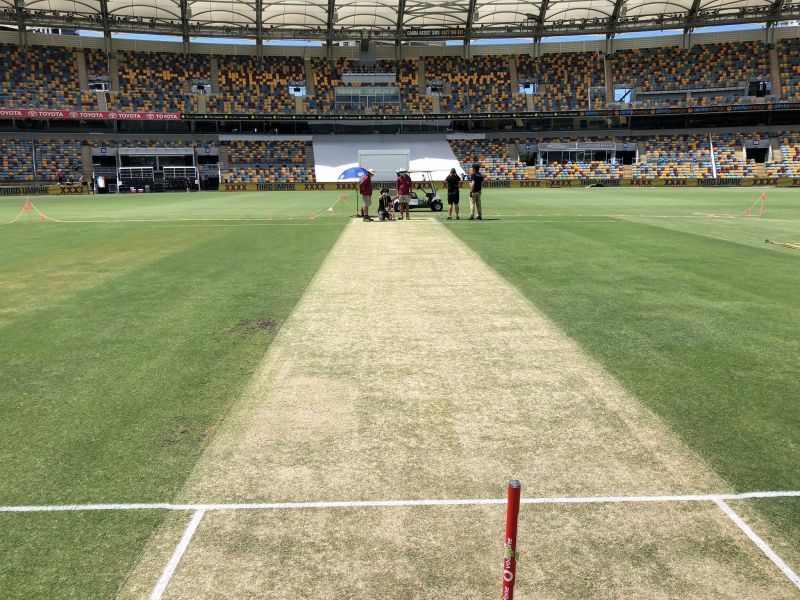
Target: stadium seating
point(260, 161)
point(563, 79)
point(721, 65)
point(328, 75)
point(39, 77)
point(47, 77)
point(159, 82)
point(58, 154)
point(19, 157)
point(678, 157)
point(591, 170)
point(494, 157)
point(480, 84)
point(789, 65)
point(249, 84)
point(729, 164)
point(16, 160)
point(787, 163)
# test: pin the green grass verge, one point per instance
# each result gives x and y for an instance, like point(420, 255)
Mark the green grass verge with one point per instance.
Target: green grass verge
point(696, 316)
point(123, 346)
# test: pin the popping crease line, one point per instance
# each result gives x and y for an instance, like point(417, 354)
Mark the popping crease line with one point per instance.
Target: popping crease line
point(397, 503)
point(169, 570)
point(759, 542)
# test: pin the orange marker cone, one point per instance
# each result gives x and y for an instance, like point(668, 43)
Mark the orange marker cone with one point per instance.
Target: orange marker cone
point(747, 213)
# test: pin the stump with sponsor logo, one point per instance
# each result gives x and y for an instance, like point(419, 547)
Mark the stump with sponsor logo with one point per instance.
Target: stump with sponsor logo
point(510, 551)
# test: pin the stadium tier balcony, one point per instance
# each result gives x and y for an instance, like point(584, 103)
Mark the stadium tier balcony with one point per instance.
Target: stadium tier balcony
point(494, 157)
point(158, 82)
point(134, 143)
point(479, 84)
point(268, 162)
point(564, 81)
point(404, 83)
point(41, 77)
point(249, 84)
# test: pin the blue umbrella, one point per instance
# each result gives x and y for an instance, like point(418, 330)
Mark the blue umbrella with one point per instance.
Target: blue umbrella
point(353, 173)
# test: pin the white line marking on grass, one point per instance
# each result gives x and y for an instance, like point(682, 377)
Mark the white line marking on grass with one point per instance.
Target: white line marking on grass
point(762, 545)
point(169, 570)
point(399, 503)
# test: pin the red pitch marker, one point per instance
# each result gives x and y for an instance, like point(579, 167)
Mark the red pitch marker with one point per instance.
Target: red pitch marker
point(510, 554)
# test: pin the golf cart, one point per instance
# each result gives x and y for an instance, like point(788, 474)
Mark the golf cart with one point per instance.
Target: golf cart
point(423, 194)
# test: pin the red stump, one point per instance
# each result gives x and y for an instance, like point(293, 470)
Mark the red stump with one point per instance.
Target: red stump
point(510, 555)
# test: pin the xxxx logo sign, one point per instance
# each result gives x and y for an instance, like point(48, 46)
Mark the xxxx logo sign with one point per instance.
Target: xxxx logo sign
point(345, 186)
point(641, 183)
point(765, 181)
point(235, 187)
point(559, 183)
point(674, 183)
point(319, 187)
point(530, 184)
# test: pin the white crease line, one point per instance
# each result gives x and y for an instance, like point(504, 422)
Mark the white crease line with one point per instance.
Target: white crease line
point(399, 503)
point(762, 545)
point(169, 570)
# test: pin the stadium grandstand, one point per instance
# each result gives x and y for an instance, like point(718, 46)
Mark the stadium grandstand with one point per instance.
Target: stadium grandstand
point(699, 104)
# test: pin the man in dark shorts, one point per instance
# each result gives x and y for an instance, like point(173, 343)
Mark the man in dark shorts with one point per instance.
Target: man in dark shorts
point(453, 184)
point(475, 194)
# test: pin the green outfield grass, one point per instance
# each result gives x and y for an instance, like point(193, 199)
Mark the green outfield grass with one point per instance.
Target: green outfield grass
point(123, 342)
point(123, 345)
point(696, 315)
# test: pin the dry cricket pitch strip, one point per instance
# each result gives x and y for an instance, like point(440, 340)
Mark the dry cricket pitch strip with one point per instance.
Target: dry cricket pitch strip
point(411, 370)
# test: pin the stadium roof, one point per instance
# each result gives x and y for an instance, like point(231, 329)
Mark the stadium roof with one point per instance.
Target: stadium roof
point(389, 20)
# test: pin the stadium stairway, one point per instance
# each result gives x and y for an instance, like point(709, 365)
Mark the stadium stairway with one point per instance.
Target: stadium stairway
point(202, 104)
point(309, 69)
point(224, 162)
point(423, 84)
point(436, 103)
point(608, 71)
point(761, 170)
point(113, 73)
point(299, 105)
point(775, 70)
point(86, 158)
point(80, 61)
point(102, 101)
point(310, 161)
point(627, 171)
point(512, 71)
point(213, 74)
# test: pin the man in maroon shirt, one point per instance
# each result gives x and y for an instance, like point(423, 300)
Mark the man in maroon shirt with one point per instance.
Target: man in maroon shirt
point(404, 192)
point(365, 189)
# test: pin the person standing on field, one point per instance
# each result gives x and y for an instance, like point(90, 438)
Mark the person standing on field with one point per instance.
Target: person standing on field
point(404, 192)
point(475, 194)
point(365, 189)
point(453, 185)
